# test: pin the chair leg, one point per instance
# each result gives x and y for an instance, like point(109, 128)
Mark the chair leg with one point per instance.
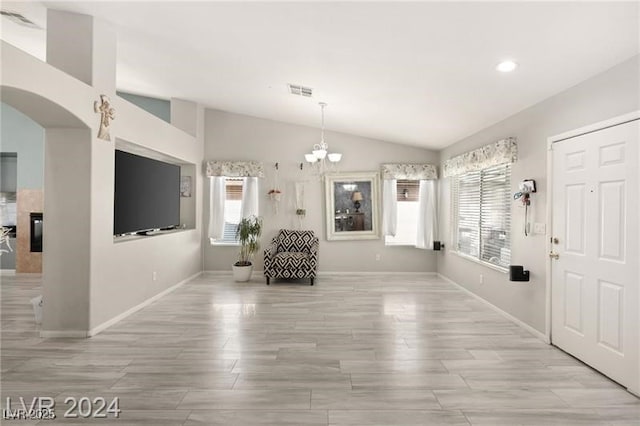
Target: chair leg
point(267, 280)
point(311, 280)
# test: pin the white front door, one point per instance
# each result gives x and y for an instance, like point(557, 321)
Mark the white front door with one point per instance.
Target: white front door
point(594, 289)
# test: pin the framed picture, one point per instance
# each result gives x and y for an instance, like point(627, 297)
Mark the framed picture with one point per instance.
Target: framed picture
point(185, 186)
point(352, 206)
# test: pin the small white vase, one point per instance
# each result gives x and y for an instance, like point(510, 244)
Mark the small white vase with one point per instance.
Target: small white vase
point(242, 273)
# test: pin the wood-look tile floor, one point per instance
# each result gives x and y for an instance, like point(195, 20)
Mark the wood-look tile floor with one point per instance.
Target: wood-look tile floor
point(382, 349)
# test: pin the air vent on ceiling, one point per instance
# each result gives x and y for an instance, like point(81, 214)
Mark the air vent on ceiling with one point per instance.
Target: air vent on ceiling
point(297, 89)
point(19, 19)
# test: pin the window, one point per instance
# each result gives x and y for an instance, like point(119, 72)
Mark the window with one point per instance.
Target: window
point(482, 214)
point(407, 222)
point(232, 209)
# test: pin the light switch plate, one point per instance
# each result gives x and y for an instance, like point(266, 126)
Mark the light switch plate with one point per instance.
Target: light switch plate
point(539, 228)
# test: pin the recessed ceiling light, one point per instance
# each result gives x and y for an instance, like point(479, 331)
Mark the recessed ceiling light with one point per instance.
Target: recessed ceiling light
point(506, 66)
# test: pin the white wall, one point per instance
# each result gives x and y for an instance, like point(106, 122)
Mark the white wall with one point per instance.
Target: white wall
point(107, 278)
point(122, 272)
point(607, 95)
point(66, 260)
point(239, 137)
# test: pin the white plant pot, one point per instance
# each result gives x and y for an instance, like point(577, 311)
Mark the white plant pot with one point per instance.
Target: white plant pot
point(242, 273)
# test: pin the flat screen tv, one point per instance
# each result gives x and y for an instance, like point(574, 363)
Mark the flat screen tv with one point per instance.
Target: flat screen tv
point(147, 194)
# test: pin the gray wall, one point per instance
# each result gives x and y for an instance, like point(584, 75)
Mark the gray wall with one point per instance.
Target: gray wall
point(8, 184)
point(22, 135)
point(239, 137)
point(604, 96)
point(8, 172)
point(158, 107)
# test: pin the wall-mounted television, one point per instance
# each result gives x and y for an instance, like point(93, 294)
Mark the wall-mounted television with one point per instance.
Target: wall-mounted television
point(147, 194)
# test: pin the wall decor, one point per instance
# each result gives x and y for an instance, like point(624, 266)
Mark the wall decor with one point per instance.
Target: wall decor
point(4, 240)
point(352, 206)
point(275, 194)
point(185, 186)
point(107, 113)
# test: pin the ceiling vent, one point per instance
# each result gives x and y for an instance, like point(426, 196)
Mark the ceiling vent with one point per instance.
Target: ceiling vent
point(19, 19)
point(296, 89)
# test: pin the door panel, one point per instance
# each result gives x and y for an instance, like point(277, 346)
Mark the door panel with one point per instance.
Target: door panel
point(610, 316)
point(594, 288)
point(573, 302)
point(612, 220)
point(576, 205)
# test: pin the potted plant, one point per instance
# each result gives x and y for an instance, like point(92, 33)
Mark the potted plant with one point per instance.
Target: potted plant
point(248, 235)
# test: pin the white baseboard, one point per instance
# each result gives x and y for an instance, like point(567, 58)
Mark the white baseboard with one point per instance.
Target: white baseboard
point(369, 273)
point(230, 273)
point(508, 316)
point(49, 334)
point(331, 273)
point(120, 317)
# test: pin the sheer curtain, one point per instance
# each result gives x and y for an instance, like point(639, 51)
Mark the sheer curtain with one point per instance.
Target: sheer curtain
point(250, 197)
point(217, 196)
point(389, 207)
point(427, 223)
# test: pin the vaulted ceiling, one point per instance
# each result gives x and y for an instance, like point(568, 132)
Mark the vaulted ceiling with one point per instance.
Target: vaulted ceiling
point(414, 73)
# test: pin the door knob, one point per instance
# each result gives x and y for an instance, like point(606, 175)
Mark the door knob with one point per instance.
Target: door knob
point(555, 256)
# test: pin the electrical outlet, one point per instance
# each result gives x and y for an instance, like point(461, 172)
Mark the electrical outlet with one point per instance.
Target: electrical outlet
point(481, 279)
point(154, 276)
point(377, 257)
point(539, 228)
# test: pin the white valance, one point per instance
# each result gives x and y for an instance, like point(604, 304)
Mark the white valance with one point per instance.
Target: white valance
point(503, 151)
point(409, 171)
point(235, 168)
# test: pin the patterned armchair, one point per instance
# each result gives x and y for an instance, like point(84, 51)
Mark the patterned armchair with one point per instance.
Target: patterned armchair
point(292, 254)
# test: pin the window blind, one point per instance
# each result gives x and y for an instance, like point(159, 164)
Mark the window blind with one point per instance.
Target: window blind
point(482, 212)
point(234, 189)
point(408, 190)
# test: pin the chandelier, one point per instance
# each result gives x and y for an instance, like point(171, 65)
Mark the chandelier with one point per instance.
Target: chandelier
point(320, 157)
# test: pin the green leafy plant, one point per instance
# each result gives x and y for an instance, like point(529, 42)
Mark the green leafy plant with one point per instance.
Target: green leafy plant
point(248, 234)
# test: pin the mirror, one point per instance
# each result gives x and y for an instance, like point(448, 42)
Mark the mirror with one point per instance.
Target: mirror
point(352, 206)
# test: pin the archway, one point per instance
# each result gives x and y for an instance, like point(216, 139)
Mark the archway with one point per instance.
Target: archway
point(66, 231)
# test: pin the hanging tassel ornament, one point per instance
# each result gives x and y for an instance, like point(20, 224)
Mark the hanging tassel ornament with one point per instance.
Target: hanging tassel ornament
point(275, 195)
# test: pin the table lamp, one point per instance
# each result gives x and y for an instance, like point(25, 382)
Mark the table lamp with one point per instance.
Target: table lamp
point(356, 197)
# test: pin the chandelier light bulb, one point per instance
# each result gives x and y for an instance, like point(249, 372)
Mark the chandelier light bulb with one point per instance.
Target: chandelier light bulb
point(334, 157)
point(319, 153)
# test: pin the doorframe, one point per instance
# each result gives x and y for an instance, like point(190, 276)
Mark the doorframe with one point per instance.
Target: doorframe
point(601, 125)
